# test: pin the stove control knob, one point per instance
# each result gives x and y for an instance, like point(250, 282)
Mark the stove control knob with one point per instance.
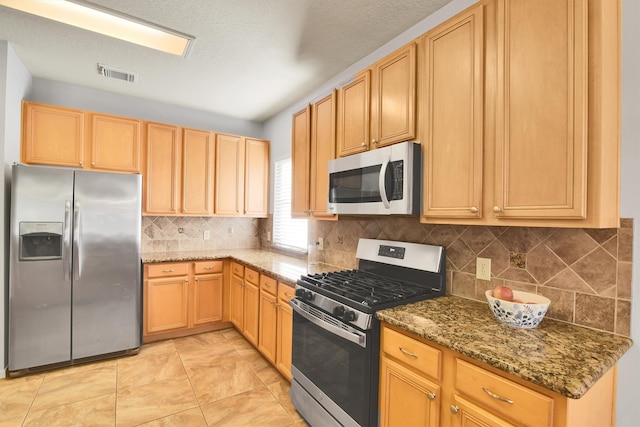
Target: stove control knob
point(348, 316)
point(338, 311)
point(304, 294)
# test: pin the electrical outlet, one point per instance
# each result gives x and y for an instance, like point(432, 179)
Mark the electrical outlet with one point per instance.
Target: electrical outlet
point(483, 268)
point(230, 230)
point(268, 236)
point(206, 235)
point(320, 244)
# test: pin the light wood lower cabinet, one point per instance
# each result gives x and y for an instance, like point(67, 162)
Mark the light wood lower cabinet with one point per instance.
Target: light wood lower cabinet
point(423, 384)
point(284, 330)
point(182, 299)
point(260, 311)
point(268, 318)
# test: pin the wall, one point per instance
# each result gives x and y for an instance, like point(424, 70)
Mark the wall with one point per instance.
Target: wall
point(83, 98)
point(15, 81)
point(167, 234)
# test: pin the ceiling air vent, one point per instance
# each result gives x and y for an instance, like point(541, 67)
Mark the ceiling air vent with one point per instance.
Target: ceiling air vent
point(117, 73)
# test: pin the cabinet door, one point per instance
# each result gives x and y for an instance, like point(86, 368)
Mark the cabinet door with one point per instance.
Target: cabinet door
point(541, 109)
point(393, 98)
point(323, 149)
point(162, 179)
point(167, 302)
point(267, 325)
point(284, 335)
point(115, 143)
point(229, 195)
point(406, 398)
point(256, 182)
point(300, 162)
point(251, 313)
point(207, 298)
point(353, 115)
point(466, 414)
point(52, 135)
point(452, 104)
point(237, 302)
point(197, 172)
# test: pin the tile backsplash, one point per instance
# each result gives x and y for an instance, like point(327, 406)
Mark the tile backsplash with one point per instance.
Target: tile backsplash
point(586, 273)
point(167, 233)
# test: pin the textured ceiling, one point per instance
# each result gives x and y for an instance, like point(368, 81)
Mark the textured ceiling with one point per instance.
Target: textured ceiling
point(250, 59)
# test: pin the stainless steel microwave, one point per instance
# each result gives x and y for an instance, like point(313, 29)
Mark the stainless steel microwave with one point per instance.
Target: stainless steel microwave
point(384, 181)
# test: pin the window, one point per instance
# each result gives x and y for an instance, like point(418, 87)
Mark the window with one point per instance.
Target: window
point(287, 232)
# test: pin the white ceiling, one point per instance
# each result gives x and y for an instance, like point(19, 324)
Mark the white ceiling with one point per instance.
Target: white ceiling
point(250, 59)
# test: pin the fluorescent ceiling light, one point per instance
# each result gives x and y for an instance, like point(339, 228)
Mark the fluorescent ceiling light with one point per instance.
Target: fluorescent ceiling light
point(92, 17)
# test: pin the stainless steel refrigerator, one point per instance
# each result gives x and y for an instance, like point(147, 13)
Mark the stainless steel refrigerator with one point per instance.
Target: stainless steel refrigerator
point(74, 272)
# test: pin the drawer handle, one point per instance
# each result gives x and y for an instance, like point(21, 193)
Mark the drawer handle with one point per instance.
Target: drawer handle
point(209, 268)
point(266, 285)
point(408, 353)
point(168, 271)
point(495, 396)
point(286, 294)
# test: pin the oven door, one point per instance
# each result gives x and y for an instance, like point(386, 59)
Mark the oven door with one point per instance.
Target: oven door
point(330, 359)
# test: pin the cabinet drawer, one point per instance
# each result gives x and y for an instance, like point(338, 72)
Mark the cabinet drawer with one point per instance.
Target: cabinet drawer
point(268, 284)
point(415, 354)
point(285, 292)
point(237, 269)
point(204, 267)
point(252, 276)
point(167, 270)
point(503, 396)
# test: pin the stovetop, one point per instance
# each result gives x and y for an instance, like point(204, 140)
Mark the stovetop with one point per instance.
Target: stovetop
point(370, 290)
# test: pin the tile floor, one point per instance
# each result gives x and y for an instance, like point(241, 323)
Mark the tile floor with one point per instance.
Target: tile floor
point(211, 379)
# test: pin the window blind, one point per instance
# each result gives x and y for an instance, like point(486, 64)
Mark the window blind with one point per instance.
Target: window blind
point(288, 232)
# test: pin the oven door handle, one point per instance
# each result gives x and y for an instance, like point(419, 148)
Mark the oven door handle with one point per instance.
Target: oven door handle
point(350, 335)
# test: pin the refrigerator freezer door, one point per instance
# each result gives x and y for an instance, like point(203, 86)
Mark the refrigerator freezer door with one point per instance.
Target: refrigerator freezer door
point(106, 272)
point(39, 324)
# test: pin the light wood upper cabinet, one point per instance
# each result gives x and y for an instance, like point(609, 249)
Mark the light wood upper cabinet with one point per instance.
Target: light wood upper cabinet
point(256, 181)
point(354, 104)
point(323, 149)
point(541, 109)
point(52, 135)
point(300, 162)
point(116, 143)
point(197, 172)
point(550, 143)
point(162, 176)
point(452, 102)
point(229, 185)
point(393, 98)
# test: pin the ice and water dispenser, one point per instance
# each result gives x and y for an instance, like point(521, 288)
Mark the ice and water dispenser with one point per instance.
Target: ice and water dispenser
point(40, 241)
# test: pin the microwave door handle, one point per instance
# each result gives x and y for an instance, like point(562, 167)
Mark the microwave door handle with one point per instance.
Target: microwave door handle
point(381, 187)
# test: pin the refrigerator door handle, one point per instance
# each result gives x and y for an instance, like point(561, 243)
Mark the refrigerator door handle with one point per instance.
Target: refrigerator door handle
point(77, 261)
point(66, 242)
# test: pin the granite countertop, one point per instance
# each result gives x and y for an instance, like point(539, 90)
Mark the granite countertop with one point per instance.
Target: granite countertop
point(281, 267)
point(562, 357)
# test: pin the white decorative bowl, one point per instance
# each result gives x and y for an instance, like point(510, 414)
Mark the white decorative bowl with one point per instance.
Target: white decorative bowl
point(526, 314)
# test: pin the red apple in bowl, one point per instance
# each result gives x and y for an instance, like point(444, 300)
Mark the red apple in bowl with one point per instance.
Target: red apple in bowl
point(502, 292)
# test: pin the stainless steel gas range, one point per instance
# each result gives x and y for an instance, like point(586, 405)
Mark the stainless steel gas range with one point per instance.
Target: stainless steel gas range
point(336, 336)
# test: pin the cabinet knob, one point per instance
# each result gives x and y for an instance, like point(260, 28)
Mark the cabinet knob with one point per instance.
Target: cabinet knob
point(497, 209)
point(431, 395)
point(362, 144)
point(196, 279)
point(373, 141)
point(454, 409)
point(474, 209)
point(81, 163)
point(93, 163)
